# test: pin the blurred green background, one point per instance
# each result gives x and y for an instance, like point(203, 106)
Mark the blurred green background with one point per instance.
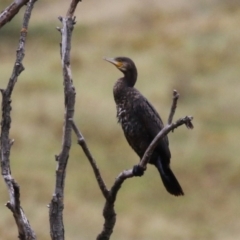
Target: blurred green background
point(191, 46)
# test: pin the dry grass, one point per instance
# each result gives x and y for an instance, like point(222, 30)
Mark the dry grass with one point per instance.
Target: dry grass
point(192, 47)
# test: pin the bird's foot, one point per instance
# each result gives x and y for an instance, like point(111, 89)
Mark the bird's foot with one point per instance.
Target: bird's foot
point(138, 170)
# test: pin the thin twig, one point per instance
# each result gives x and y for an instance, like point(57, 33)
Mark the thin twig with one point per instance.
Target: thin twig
point(9, 12)
point(24, 229)
point(83, 144)
point(57, 203)
point(173, 107)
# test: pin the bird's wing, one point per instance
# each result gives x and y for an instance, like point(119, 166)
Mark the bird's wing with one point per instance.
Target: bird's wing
point(152, 121)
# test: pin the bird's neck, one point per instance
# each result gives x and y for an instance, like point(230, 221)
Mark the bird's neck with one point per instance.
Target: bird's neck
point(119, 90)
point(129, 78)
point(124, 85)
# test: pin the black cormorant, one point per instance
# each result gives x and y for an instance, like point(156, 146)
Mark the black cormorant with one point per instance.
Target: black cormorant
point(141, 122)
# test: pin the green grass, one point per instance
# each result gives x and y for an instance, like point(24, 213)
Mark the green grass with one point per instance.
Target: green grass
point(191, 47)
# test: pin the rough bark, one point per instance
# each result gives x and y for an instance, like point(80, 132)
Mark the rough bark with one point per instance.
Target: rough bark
point(24, 229)
point(11, 11)
point(56, 205)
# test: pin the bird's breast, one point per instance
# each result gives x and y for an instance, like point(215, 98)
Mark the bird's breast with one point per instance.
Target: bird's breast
point(122, 114)
point(127, 117)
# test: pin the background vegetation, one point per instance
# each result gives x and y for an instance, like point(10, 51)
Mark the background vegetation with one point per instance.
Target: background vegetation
point(191, 46)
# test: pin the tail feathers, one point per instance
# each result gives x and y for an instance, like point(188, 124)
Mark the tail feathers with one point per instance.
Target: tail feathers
point(169, 180)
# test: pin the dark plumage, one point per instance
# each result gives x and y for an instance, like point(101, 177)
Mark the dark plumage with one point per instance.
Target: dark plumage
point(141, 122)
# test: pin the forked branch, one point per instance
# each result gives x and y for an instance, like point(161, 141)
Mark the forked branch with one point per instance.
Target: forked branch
point(111, 195)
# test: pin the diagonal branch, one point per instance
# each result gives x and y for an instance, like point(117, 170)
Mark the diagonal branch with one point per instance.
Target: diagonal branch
point(72, 7)
point(57, 203)
point(83, 144)
point(110, 196)
point(9, 12)
point(147, 155)
point(24, 228)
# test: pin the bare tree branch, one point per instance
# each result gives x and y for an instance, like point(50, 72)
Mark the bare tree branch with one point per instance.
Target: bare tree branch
point(83, 144)
point(57, 203)
point(110, 196)
point(168, 128)
point(72, 7)
point(10, 11)
point(109, 213)
point(174, 106)
point(24, 228)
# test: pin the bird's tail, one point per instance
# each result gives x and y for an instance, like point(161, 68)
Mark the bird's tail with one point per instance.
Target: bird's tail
point(169, 180)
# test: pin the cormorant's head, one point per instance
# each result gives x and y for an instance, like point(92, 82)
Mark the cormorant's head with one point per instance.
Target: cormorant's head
point(127, 67)
point(124, 64)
